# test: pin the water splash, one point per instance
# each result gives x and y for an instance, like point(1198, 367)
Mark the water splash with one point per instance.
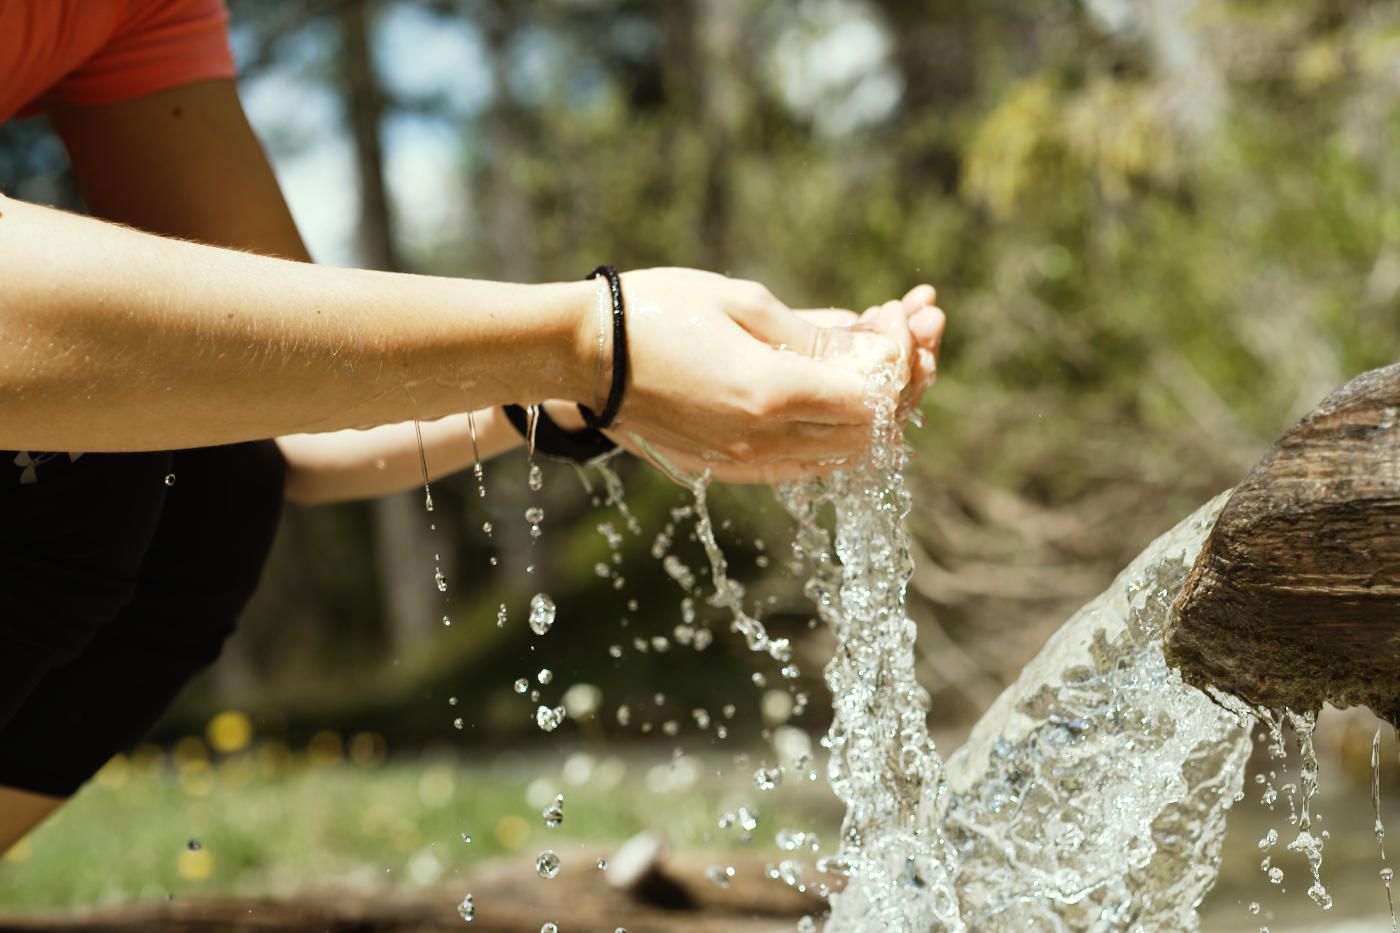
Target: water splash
point(900, 868)
point(1093, 794)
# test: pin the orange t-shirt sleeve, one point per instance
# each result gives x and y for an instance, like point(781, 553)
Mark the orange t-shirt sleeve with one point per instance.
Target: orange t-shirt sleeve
point(159, 44)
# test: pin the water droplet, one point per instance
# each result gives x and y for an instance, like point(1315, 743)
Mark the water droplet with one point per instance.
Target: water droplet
point(501, 615)
point(602, 864)
point(549, 718)
point(719, 875)
point(536, 478)
point(1254, 907)
point(767, 778)
point(446, 620)
point(553, 814)
point(521, 685)
point(547, 864)
point(466, 838)
point(548, 927)
point(806, 925)
point(487, 527)
point(170, 479)
point(451, 701)
point(458, 724)
point(194, 845)
point(542, 612)
point(440, 580)
point(467, 909)
point(615, 651)
point(545, 675)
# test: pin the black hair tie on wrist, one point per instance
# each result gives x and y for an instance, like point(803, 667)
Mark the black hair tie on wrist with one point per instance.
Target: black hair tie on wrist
point(589, 443)
point(613, 404)
point(554, 441)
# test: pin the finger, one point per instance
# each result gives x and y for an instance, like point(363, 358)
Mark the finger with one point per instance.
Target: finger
point(770, 442)
point(802, 441)
point(920, 296)
point(686, 463)
point(892, 321)
point(927, 327)
point(816, 392)
point(768, 319)
point(828, 317)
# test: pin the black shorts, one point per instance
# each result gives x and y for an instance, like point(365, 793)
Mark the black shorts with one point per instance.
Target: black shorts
point(120, 577)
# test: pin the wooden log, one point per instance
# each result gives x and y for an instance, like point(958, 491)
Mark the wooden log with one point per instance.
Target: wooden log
point(1295, 598)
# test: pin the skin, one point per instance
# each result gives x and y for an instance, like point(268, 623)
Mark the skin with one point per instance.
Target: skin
point(190, 315)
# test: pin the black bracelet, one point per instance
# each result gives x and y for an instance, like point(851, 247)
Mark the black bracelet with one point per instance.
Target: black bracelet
point(613, 404)
point(552, 440)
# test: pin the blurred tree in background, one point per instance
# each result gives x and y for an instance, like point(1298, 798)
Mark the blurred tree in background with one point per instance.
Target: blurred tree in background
point(1161, 231)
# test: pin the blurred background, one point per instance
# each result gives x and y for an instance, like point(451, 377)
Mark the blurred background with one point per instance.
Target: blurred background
point(1162, 231)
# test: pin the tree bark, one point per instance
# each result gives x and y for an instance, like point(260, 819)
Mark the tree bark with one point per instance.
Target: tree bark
point(1295, 598)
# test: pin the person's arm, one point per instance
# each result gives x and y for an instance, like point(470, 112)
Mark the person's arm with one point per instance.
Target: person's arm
point(116, 340)
point(112, 339)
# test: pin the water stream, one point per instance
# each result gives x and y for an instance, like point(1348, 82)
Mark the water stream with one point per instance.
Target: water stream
point(1092, 795)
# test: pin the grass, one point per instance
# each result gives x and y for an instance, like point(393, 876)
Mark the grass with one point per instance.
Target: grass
point(269, 821)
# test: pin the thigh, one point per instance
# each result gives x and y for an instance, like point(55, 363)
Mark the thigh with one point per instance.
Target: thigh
point(74, 531)
point(201, 567)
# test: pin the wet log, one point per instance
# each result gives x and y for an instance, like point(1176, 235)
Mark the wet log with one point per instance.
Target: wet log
point(1295, 598)
point(509, 898)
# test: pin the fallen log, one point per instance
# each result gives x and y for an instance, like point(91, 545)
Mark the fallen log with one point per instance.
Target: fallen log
point(1295, 598)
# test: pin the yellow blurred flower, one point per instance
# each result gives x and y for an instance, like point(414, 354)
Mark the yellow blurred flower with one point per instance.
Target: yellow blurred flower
point(325, 748)
point(512, 832)
point(274, 757)
point(189, 749)
point(230, 731)
point(195, 865)
point(368, 749)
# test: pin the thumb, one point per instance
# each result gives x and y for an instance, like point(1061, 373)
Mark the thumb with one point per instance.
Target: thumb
point(772, 322)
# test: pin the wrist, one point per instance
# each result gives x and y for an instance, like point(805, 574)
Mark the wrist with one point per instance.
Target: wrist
point(573, 341)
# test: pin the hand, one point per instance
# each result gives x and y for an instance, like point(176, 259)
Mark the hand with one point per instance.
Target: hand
point(921, 321)
point(721, 373)
point(914, 327)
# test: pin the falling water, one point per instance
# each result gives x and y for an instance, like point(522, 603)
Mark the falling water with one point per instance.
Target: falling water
point(423, 465)
point(476, 459)
point(900, 867)
point(1387, 873)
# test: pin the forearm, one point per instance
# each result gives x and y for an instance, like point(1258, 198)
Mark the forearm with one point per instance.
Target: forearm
point(112, 339)
point(362, 464)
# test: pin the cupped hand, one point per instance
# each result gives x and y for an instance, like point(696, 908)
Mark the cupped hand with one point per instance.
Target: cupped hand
point(913, 324)
point(721, 372)
point(810, 431)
